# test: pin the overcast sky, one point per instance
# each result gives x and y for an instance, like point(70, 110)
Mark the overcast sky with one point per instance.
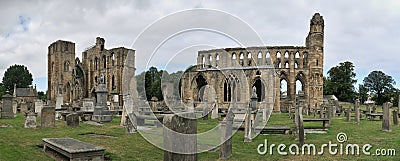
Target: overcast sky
point(364, 32)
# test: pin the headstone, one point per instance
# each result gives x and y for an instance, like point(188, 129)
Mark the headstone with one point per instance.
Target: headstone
point(328, 112)
point(30, 119)
point(386, 124)
point(214, 113)
point(177, 145)
point(357, 111)
point(88, 104)
point(72, 120)
point(226, 136)
point(247, 126)
point(59, 101)
point(205, 110)
point(48, 116)
point(38, 106)
point(7, 109)
point(23, 107)
point(395, 117)
point(348, 118)
point(101, 112)
point(130, 126)
point(300, 127)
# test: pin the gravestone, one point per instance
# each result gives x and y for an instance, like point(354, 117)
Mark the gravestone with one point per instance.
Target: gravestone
point(226, 136)
point(88, 104)
point(72, 120)
point(247, 126)
point(7, 109)
point(348, 118)
point(205, 110)
point(386, 124)
point(214, 113)
point(357, 111)
point(23, 107)
point(177, 145)
point(38, 106)
point(71, 149)
point(101, 112)
point(300, 126)
point(395, 117)
point(48, 116)
point(30, 119)
point(130, 126)
point(59, 101)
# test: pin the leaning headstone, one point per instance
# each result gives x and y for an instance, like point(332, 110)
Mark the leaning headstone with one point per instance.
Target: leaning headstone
point(72, 120)
point(30, 119)
point(48, 116)
point(348, 119)
point(386, 124)
point(7, 109)
point(395, 117)
point(178, 145)
point(23, 107)
point(226, 136)
point(357, 111)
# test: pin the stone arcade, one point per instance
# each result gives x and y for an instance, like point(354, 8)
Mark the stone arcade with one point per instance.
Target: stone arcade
point(293, 65)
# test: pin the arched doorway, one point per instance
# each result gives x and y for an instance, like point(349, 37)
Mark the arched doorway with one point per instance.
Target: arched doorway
point(260, 90)
point(201, 86)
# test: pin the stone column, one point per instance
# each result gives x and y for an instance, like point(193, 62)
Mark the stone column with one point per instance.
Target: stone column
point(226, 136)
point(177, 145)
point(357, 111)
point(386, 124)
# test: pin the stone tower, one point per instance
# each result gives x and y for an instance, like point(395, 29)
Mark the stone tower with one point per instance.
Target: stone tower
point(315, 44)
point(61, 65)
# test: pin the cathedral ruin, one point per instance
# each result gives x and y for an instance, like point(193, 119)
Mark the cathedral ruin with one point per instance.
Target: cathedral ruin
point(70, 79)
point(233, 72)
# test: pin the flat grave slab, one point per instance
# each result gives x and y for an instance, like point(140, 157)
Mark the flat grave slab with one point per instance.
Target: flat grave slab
point(71, 149)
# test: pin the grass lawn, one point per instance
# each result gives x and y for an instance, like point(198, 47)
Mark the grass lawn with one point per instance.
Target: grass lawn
point(18, 143)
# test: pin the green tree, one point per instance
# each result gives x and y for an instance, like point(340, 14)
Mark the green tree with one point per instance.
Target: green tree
point(2, 90)
point(362, 93)
point(42, 95)
point(18, 74)
point(379, 84)
point(340, 81)
point(153, 83)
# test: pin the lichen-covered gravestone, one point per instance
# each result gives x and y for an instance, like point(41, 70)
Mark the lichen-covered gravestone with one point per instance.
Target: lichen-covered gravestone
point(30, 119)
point(178, 145)
point(48, 116)
point(386, 124)
point(7, 109)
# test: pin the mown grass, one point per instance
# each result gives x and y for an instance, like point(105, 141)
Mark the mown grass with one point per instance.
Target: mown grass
point(18, 143)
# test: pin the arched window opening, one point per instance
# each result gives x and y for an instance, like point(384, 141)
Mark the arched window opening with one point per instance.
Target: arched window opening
point(113, 83)
point(287, 65)
point(278, 55)
point(286, 55)
point(241, 57)
point(259, 86)
point(104, 62)
point(297, 55)
point(203, 62)
point(299, 86)
point(283, 91)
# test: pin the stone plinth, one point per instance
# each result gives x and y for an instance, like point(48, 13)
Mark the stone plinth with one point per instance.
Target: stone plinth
point(73, 150)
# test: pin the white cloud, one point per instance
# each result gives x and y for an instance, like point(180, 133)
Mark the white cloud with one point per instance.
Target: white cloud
point(362, 31)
